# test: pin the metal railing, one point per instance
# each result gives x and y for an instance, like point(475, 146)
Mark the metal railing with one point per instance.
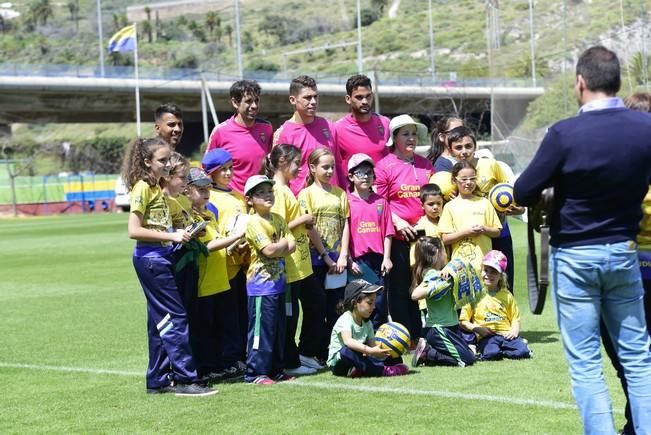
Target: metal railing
point(399, 78)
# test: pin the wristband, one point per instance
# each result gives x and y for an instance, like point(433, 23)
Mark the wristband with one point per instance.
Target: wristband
point(323, 255)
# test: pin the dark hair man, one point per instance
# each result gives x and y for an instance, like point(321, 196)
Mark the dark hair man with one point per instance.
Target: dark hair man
point(362, 130)
point(599, 163)
point(305, 129)
point(245, 136)
point(168, 123)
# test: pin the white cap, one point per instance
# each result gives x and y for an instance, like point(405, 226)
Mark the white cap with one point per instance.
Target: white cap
point(255, 181)
point(358, 159)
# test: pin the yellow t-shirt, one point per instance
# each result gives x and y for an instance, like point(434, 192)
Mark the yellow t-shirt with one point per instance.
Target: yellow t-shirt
point(489, 173)
point(151, 203)
point(496, 312)
point(644, 237)
point(265, 276)
point(330, 210)
point(299, 264)
point(180, 211)
point(213, 278)
point(229, 205)
point(462, 213)
point(432, 230)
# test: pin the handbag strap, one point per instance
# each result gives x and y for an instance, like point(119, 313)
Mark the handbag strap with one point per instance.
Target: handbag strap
point(537, 283)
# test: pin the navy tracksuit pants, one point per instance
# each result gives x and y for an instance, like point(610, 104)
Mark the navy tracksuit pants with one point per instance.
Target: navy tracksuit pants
point(170, 358)
point(348, 359)
point(497, 347)
point(448, 347)
point(266, 337)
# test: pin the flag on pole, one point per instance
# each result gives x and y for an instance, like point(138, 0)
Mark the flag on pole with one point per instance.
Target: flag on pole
point(123, 40)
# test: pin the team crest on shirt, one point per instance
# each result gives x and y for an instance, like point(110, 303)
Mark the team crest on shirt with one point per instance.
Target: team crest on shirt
point(380, 208)
point(263, 137)
point(380, 130)
point(326, 133)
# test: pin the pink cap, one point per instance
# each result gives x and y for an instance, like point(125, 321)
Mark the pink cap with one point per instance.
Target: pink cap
point(358, 159)
point(496, 260)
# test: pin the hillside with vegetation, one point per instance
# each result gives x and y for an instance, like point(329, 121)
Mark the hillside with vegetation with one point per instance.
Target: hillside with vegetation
point(395, 35)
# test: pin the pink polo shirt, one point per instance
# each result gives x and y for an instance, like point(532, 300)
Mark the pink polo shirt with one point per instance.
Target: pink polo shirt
point(361, 137)
point(370, 223)
point(400, 182)
point(307, 137)
point(247, 146)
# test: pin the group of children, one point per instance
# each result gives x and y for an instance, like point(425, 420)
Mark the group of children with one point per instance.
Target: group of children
point(223, 301)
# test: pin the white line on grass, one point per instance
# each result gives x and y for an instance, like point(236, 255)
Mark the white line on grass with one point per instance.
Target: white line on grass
point(71, 369)
point(331, 386)
point(444, 394)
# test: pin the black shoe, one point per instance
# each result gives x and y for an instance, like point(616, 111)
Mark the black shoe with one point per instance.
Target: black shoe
point(161, 390)
point(234, 372)
point(193, 390)
point(212, 378)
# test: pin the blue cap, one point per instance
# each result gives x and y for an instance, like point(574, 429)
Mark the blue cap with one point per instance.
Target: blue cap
point(215, 159)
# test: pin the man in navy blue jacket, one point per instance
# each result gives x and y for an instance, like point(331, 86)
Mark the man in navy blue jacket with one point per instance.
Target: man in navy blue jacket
point(599, 163)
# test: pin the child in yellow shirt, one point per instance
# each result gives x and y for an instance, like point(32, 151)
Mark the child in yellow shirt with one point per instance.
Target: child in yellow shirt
point(230, 208)
point(495, 318)
point(208, 327)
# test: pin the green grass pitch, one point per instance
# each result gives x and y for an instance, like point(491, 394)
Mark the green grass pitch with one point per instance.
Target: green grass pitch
point(73, 355)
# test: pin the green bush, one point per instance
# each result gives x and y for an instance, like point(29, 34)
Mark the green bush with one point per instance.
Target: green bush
point(100, 155)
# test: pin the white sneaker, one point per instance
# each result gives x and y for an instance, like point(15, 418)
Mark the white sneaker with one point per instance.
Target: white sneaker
point(311, 362)
point(300, 371)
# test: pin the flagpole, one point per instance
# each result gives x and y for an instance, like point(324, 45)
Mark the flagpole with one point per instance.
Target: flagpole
point(135, 62)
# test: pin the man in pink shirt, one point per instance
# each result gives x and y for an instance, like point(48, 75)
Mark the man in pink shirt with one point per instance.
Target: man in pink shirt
point(245, 136)
point(361, 131)
point(168, 123)
point(304, 129)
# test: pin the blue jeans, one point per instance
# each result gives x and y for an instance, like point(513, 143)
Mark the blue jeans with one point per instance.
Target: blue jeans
point(603, 281)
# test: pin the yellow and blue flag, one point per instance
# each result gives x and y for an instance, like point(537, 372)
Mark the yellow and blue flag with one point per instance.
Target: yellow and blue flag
point(123, 40)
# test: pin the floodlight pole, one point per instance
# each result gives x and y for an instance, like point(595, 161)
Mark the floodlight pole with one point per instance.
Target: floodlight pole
point(563, 66)
point(238, 40)
point(628, 68)
point(431, 40)
point(533, 45)
point(360, 66)
point(101, 43)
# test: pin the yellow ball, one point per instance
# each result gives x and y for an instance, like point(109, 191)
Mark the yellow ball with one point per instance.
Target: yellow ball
point(395, 337)
point(443, 180)
point(501, 196)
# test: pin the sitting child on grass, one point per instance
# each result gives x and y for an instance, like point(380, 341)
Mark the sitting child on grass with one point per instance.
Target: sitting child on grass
point(353, 351)
point(495, 318)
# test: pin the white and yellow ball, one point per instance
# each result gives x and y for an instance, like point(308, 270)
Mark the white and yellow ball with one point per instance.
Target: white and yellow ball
point(501, 197)
point(395, 337)
point(443, 180)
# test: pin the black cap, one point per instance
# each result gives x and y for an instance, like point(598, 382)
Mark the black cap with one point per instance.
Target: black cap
point(359, 286)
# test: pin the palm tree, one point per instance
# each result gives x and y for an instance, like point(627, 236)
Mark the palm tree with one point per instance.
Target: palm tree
point(147, 28)
point(73, 8)
point(119, 21)
point(211, 21)
point(146, 25)
point(379, 5)
point(229, 32)
point(40, 11)
point(45, 11)
point(639, 68)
